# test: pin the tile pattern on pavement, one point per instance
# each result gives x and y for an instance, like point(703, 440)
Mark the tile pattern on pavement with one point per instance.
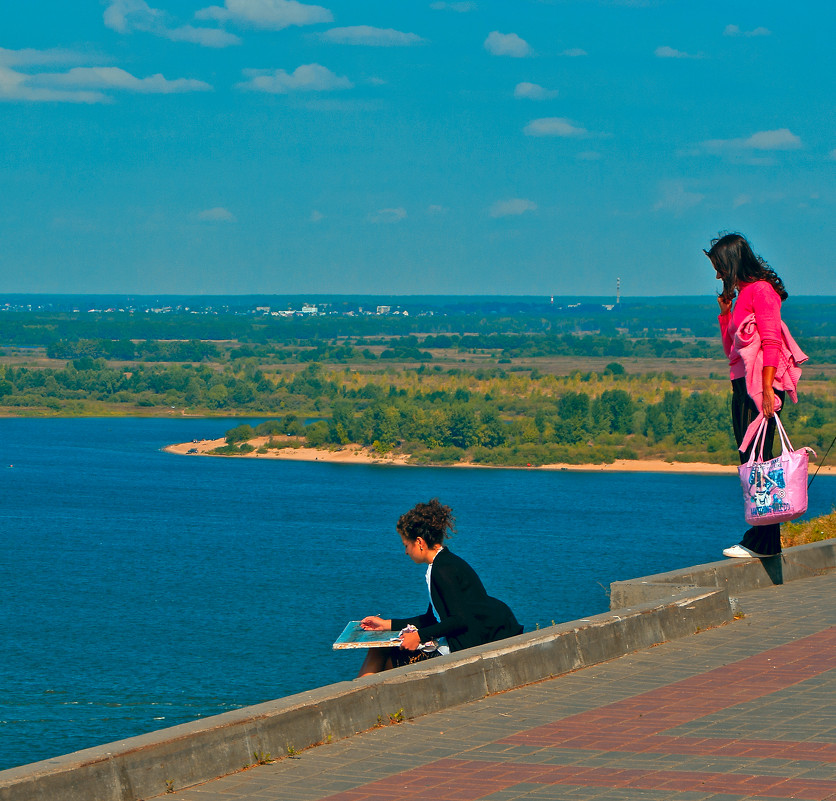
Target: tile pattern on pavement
point(747, 710)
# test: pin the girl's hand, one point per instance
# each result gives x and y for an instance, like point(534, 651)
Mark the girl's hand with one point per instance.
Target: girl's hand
point(375, 623)
point(410, 641)
point(725, 305)
point(768, 402)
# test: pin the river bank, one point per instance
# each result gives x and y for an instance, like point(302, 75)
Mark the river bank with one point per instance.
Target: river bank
point(356, 454)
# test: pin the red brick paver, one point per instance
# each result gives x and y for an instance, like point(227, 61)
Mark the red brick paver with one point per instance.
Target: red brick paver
point(636, 725)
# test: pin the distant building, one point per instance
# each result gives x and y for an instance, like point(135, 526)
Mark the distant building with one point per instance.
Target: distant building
point(384, 310)
point(308, 309)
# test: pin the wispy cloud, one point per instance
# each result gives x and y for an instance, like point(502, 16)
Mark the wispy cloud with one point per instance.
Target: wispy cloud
point(513, 207)
point(128, 16)
point(574, 52)
point(78, 84)
point(676, 198)
point(533, 91)
point(116, 78)
point(388, 216)
point(217, 214)
point(779, 139)
point(669, 52)
point(305, 78)
point(274, 15)
point(555, 126)
point(316, 216)
point(507, 44)
point(374, 37)
point(461, 7)
point(734, 30)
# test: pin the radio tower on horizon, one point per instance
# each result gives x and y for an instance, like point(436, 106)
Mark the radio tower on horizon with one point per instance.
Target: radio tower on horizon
point(617, 291)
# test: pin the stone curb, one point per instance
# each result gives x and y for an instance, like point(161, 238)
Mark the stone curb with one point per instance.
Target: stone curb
point(192, 753)
point(734, 575)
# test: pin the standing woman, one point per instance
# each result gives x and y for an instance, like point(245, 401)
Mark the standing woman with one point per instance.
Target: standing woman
point(763, 359)
point(460, 614)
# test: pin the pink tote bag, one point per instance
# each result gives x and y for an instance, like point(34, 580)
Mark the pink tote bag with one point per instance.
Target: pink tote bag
point(774, 491)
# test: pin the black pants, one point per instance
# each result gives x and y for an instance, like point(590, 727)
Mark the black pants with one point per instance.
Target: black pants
point(763, 540)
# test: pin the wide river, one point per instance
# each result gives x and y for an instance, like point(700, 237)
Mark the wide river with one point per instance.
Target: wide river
point(139, 589)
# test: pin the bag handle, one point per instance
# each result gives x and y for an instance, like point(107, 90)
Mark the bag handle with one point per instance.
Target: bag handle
point(757, 443)
point(786, 445)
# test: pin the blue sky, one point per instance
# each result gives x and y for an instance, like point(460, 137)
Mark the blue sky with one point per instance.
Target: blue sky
point(367, 146)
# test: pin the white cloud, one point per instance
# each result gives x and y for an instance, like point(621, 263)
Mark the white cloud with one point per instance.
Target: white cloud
point(316, 216)
point(574, 52)
point(128, 16)
point(734, 30)
point(512, 207)
point(435, 210)
point(79, 84)
point(305, 78)
point(507, 44)
point(274, 15)
point(779, 139)
point(589, 155)
point(677, 199)
point(116, 78)
point(832, 155)
point(742, 200)
point(554, 126)
point(375, 37)
point(461, 7)
point(669, 52)
point(388, 215)
point(217, 214)
point(34, 58)
point(533, 91)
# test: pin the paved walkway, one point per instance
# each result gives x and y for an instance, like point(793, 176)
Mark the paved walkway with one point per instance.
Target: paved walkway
point(747, 710)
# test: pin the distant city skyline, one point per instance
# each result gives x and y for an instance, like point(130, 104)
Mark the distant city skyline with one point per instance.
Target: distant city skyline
point(535, 148)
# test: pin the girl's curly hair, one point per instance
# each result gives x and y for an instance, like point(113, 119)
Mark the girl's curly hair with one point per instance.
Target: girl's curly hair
point(735, 261)
point(431, 521)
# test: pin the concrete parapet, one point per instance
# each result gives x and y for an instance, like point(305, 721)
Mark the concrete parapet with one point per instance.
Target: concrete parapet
point(180, 756)
point(734, 575)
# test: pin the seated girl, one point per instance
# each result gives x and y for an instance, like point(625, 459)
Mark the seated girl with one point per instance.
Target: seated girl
point(460, 613)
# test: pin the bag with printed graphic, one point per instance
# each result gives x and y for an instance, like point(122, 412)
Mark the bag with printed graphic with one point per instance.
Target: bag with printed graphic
point(774, 491)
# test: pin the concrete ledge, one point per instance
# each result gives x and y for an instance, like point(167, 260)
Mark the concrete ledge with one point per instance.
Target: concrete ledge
point(734, 575)
point(141, 767)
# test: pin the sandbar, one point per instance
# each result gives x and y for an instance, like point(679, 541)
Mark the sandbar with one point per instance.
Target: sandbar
point(357, 454)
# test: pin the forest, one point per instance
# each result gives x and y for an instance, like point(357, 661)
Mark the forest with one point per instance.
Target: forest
point(494, 391)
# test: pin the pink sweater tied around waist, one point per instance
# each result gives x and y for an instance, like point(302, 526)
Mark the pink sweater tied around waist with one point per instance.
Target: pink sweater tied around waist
point(748, 345)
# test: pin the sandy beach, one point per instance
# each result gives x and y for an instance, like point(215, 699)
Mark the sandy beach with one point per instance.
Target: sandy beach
point(356, 454)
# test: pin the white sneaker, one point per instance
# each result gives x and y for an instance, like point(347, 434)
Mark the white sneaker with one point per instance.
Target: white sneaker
point(739, 552)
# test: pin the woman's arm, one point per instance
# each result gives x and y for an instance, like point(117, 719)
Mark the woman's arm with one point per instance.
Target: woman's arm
point(768, 391)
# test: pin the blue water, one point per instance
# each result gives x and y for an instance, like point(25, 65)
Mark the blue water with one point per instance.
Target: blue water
point(139, 589)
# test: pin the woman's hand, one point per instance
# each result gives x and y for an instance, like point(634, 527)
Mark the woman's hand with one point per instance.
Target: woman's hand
point(410, 641)
point(375, 623)
point(725, 305)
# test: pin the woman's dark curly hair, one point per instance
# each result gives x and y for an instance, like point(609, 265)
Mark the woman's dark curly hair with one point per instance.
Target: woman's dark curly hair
point(431, 521)
point(735, 262)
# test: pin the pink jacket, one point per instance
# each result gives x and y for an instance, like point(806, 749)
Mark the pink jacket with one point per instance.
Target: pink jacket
point(746, 347)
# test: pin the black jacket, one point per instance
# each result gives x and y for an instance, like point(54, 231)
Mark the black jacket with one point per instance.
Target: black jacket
point(469, 616)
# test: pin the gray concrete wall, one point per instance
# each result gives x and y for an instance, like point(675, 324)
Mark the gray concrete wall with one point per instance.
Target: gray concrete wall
point(141, 767)
point(735, 575)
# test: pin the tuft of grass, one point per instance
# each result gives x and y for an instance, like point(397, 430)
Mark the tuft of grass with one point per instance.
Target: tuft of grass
point(804, 531)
